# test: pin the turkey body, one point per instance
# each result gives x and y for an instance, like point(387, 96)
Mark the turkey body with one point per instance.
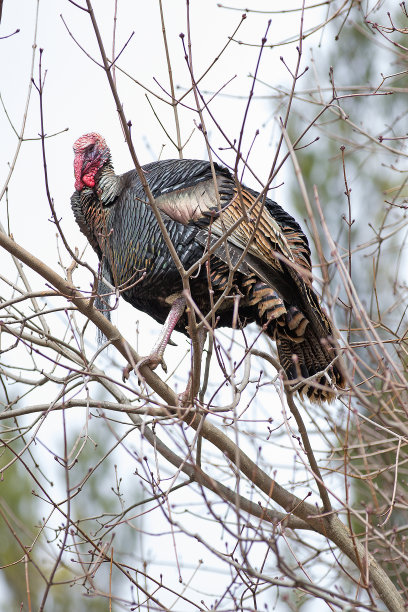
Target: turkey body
point(264, 262)
point(135, 247)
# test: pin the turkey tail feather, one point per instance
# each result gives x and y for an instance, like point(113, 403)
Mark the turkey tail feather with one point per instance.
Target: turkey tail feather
point(307, 359)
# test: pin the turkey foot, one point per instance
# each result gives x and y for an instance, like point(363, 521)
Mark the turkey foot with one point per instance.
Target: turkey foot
point(156, 356)
point(153, 360)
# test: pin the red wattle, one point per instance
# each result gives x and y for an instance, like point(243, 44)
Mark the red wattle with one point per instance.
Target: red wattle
point(89, 180)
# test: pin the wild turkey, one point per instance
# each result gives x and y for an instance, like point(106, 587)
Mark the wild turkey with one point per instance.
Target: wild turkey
point(271, 255)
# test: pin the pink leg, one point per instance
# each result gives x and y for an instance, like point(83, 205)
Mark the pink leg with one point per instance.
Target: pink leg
point(156, 356)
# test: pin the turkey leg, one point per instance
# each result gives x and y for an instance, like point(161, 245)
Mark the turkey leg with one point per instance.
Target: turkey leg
point(156, 356)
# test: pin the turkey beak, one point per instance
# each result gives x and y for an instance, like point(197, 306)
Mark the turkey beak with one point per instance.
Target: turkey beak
point(88, 160)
